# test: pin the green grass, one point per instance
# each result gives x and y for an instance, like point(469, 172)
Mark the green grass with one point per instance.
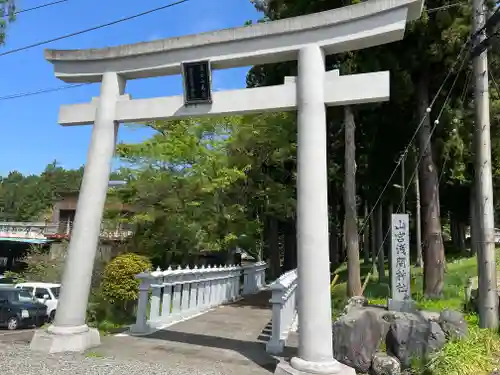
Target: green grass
point(478, 354)
point(93, 355)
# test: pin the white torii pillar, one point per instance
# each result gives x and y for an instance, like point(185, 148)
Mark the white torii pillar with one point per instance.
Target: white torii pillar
point(306, 39)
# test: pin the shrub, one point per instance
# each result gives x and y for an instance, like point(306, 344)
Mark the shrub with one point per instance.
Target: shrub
point(41, 266)
point(119, 285)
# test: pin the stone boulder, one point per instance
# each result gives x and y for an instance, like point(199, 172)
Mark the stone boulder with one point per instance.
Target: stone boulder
point(384, 364)
point(453, 324)
point(357, 336)
point(355, 302)
point(412, 336)
point(471, 293)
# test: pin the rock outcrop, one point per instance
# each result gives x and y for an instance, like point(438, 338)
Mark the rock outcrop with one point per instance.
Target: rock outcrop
point(384, 364)
point(359, 332)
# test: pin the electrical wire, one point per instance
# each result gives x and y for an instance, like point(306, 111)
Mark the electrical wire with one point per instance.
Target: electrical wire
point(41, 91)
point(84, 31)
point(415, 171)
point(39, 7)
point(497, 88)
point(60, 88)
point(458, 59)
point(432, 10)
point(405, 152)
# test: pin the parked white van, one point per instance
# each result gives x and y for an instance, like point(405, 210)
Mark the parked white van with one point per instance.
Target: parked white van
point(46, 293)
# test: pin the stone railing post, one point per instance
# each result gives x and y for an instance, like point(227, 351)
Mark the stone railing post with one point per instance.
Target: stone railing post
point(176, 293)
point(141, 323)
point(203, 289)
point(284, 310)
point(156, 286)
point(276, 344)
point(226, 282)
point(261, 275)
point(248, 276)
point(254, 277)
point(194, 291)
point(235, 283)
point(166, 308)
point(215, 292)
point(186, 289)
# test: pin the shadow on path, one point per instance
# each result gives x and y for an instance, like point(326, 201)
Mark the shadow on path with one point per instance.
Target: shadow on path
point(254, 351)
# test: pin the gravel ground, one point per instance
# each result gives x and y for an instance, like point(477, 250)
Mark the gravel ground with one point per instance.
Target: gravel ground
point(17, 359)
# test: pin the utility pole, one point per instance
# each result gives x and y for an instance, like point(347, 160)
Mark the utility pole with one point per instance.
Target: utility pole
point(488, 298)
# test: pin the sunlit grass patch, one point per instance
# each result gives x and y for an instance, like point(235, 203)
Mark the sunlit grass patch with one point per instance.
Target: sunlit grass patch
point(475, 355)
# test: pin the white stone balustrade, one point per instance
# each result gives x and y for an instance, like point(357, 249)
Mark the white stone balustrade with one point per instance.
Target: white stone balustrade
point(284, 310)
point(254, 277)
point(174, 295)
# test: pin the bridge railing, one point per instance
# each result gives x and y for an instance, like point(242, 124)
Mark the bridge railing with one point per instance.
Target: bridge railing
point(173, 295)
point(43, 230)
point(284, 310)
point(109, 229)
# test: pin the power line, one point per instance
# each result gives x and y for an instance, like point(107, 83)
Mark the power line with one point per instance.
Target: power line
point(102, 26)
point(432, 10)
point(41, 91)
point(40, 6)
point(415, 171)
point(458, 59)
point(450, 72)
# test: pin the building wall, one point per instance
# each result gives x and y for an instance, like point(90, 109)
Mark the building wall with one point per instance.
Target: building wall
point(106, 251)
point(68, 203)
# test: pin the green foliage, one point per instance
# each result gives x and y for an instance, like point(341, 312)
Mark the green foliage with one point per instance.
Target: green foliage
point(108, 317)
point(41, 266)
point(478, 354)
point(8, 15)
point(30, 198)
point(119, 284)
point(202, 184)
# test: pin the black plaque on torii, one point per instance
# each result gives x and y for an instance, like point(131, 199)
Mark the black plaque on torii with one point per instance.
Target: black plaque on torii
point(196, 76)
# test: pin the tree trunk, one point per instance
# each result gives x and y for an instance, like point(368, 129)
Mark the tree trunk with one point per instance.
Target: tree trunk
point(351, 217)
point(380, 242)
point(290, 240)
point(374, 241)
point(334, 248)
point(418, 222)
point(474, 228)
point(272, 244)
point(429, 188)
point(461, 237)
point(388, 234)
point(366, 235)
point(454, 232)
point(334, 232)
point(341, 233)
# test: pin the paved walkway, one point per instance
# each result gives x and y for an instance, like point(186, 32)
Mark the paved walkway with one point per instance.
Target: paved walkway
point(229, 340)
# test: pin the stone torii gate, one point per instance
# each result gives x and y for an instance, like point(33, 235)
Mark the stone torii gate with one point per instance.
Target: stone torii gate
point(306, 39)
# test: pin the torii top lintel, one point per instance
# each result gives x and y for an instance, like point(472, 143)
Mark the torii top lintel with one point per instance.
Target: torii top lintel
point(354, 27)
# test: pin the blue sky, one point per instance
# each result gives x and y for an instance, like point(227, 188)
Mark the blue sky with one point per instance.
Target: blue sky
point(31, 137)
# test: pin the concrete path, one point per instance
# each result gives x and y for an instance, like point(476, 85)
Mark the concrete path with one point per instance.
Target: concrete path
point(229, 340)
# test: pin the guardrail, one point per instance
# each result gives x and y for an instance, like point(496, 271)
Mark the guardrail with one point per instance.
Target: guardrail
point(284, 310)
point(170, 296)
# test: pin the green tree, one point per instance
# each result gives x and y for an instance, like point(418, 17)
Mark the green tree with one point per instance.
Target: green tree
point(8, 9)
